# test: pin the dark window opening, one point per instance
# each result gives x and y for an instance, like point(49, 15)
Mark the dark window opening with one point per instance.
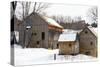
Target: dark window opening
point(57, 45)
point(86, 32)
point(26, 28)
point(87, 53)
point(91, 43)
point(38, 42)
point(43, 35)
point(70, 45)
point(12, 24)
point(34, 33)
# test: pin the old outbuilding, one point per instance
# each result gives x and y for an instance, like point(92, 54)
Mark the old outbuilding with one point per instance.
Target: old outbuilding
point(45, 31)
point(68, 44)
point(88, 41)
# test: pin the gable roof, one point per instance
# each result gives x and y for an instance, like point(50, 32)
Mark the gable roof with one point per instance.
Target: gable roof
point(67, 37)
point(93, 30)
point(50, 21)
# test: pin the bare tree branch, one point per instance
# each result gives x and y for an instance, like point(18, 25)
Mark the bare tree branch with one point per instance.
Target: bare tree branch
point(34, 7)
point(93, 14)
point(39, 7)
point(25, 8)
point(13, 8)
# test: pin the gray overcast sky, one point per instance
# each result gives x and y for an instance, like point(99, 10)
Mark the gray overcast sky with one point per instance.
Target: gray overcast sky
point(65, 9)
point(68, 10)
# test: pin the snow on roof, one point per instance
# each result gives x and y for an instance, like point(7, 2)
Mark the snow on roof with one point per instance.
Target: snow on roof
point(94, 30)
point(51, 21)
point(67, 37)
point(71, 31)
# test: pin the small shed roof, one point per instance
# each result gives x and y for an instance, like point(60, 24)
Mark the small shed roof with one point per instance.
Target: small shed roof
point(67, 37)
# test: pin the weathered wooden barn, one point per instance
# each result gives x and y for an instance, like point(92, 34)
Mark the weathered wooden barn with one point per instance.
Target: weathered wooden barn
point(21, 32)
point(88, 41)
point(68, 44)
point(44, 31)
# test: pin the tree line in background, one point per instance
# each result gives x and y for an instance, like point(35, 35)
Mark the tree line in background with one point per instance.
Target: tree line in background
point(38, 7)
point(77, 22)
point(92, 14)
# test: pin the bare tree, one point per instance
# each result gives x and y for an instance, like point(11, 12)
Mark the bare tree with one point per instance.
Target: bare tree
point(13, 8)
point(93, 14)
point(27, 5)
point(25, 12)
point(66, 19)
point(68, 22)
point(25, 8)
point(62, 19)
point(58, 19)
point(38, 7)
point(35, 7)
point(77, 18)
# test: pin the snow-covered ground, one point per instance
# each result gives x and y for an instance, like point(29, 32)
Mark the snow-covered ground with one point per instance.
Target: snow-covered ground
point(30, 56)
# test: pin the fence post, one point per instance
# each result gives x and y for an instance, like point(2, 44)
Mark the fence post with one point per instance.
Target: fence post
point(54, 56)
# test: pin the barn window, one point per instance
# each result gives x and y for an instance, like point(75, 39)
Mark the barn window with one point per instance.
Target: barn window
point(38, 42)
point(70, 45)
point(35, 34)
point(43, 35)
point(88, 53)
point(57, 45)
point(91, 43)
point(86, 32)
point(26, 28)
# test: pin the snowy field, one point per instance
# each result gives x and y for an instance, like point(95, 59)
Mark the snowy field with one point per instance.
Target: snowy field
point(30, 56)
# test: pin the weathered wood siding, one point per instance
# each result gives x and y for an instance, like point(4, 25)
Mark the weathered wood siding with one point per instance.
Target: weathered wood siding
point(19, 27)
point(39, 26)
point(53, 38)
point(40, 36)
point(69, 48)
point(88, 43)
